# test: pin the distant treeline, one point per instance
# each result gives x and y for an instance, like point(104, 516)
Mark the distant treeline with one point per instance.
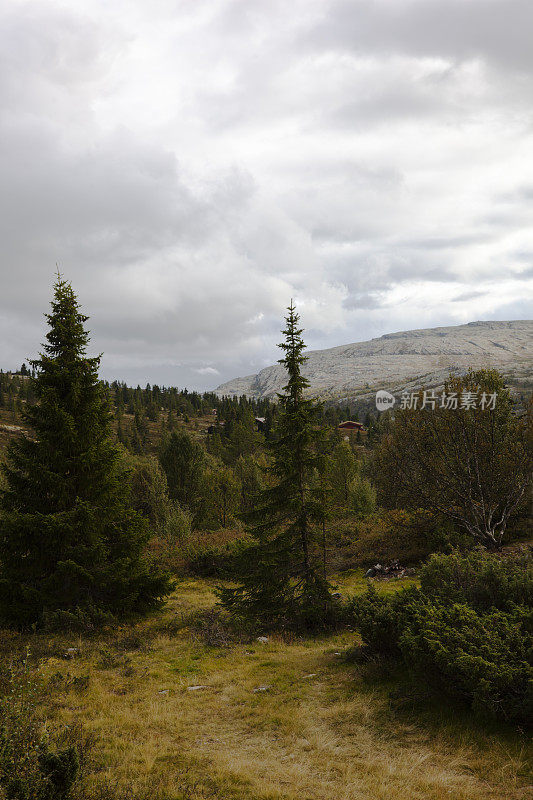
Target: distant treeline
point(168, 404)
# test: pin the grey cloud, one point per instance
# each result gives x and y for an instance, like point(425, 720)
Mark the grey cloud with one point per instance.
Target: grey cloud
point(495, 30)
point(363, 300)
point(516, 309)
point(95, 209)
point(385, 106)
point(519, 194)
point(447, 242)
point(460, 298)
point(190, 178)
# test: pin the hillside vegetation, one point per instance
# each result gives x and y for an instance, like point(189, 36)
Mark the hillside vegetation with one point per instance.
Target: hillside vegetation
point(225, 597)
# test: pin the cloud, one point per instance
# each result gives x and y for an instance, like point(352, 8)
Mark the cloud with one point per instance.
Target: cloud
point(464, 296)
point(493, 30)
point(207, 371)
point(192, 166)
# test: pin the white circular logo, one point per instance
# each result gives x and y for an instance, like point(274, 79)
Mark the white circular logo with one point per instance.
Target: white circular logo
point(384, 400)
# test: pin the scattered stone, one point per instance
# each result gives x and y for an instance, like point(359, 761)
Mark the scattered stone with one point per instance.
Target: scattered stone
point(337, 595)
point(311, 675)
point(163, 691)
point(195, 688)
point(262, 639)
point(70, 652)
point(262, 689)
point(392, 571)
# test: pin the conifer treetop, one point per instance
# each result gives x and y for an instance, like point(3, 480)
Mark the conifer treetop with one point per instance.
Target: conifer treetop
point(293, 346)
point(66, 338)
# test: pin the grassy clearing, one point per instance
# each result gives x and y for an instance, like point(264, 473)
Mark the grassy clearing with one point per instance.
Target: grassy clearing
point(313, 731)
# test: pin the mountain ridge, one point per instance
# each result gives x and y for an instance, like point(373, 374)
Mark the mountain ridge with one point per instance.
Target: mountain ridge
point(404, 360)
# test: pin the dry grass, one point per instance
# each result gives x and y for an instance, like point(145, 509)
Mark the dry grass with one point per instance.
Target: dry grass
point(316, 733)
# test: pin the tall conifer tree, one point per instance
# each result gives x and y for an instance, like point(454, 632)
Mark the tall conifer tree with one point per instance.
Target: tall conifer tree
point(282, 574)
point(70, 542)
point(183, 462)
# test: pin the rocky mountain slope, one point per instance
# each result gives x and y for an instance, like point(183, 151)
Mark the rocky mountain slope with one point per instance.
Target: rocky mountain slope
point(404, 361)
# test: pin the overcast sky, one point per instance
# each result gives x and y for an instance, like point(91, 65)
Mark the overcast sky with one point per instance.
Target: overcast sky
point(192, 165)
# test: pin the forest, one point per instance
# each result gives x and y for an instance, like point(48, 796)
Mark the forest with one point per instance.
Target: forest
point(221, 597)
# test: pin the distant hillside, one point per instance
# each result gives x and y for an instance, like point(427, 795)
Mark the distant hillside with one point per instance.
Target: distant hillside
point(405, 360)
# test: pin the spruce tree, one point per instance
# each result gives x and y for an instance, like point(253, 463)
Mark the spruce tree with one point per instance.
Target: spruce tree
point(183, 461)
point(282, 582)
point(71, 543)
point(343, 468)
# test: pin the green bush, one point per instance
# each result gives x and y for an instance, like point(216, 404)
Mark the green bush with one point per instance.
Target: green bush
point(217, 560)
point(32, 765)
point(79, 620)
point(483, 659)
point(466, 631)
point(481, 580)
point(385, 536)
point(380, 619)
point(362, 496)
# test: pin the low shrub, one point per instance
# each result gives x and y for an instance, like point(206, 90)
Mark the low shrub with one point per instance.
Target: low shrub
point(79, 620)
point(483, 581)
point(466, 631)
point(483, 659)
point(383, 537)
point(34, 764)
point(216, 560)
point(215, 628)
point(380, 619)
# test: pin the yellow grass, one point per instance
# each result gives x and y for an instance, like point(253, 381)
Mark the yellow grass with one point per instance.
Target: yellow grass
point(317, 732)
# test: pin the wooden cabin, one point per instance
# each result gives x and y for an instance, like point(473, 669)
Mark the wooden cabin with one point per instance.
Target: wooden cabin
point(350, 425)
point(350, 428)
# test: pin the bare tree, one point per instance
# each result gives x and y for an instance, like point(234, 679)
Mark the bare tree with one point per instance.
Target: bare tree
point(468, 458)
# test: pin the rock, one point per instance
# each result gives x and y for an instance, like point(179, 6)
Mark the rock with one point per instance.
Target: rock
point(337, 595)
point(195, 688)
point(262, 639)
point(311, 675)
point(70, 652)
point(391, 571)
point(406, 360)
point(262, 688)
point(163, 691)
